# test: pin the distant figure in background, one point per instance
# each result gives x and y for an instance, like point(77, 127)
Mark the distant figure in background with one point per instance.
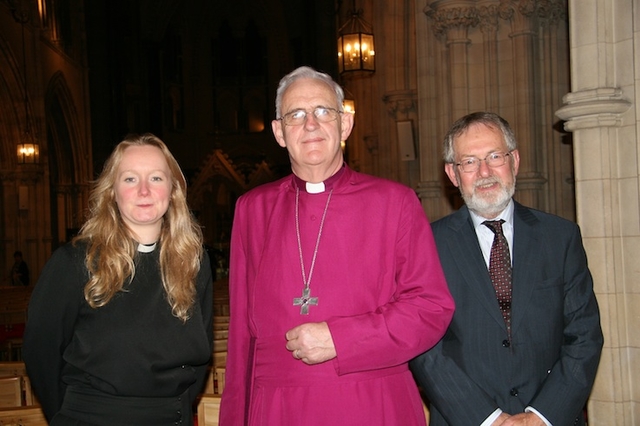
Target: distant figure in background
point(19, 270)
point(326, 314)
point(119, 330)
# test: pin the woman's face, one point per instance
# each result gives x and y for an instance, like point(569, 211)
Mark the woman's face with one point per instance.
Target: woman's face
point(143, 190)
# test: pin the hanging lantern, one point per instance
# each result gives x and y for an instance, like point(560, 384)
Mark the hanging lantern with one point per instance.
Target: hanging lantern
point(28, 153)
point(356, 50)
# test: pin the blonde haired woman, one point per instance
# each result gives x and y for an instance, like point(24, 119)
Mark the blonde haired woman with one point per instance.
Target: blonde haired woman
point(119, 328)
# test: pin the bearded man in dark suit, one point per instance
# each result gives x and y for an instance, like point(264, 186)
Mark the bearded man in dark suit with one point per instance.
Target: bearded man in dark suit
point(526, 353)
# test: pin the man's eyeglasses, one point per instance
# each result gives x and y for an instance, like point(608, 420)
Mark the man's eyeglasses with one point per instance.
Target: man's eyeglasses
point(493, 160)
point(299, 116)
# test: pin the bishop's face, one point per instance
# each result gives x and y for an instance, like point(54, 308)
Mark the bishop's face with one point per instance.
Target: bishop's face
point(313, 144)
point(488, 190)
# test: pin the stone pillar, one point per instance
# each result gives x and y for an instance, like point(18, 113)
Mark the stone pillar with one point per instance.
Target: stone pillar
point(495, 55)
point(604, 80)
point(444, 94)
point(488, 13)
point(453, 19)
point(523, 16)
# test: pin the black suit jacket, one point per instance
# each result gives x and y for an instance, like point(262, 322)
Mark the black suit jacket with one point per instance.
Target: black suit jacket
point(556, 340)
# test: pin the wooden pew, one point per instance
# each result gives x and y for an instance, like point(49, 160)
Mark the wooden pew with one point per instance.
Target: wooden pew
point(13, 317)
point(12, 368)
point(219, 372)
point(11, 391)
point(219, 358)
point(208, 410)
point(15, 300)
point(18, 369)
point(22, 416)
point(210, 381)
point(28, 396)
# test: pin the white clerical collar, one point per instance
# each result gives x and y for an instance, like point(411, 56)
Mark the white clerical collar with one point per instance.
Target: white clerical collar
point(314, 188)
point(147, 248)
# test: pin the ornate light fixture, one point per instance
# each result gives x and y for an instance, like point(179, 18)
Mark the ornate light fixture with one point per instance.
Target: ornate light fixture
point(28, 151)
point(355, 44)
point(349, 105)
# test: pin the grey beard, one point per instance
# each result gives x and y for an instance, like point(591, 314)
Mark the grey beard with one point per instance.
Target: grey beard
point(490, 207)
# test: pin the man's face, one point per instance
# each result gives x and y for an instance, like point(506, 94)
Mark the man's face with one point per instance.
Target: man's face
point(312, 143)
point(488, 190)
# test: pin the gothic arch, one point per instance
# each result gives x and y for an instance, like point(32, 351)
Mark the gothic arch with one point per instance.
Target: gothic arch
point(215, 189)
point(69, 160)
point(63, 127)
point(12, 105)
point(12, 123)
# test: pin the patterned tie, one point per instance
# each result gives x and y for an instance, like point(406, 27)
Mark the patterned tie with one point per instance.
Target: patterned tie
point(500, 270)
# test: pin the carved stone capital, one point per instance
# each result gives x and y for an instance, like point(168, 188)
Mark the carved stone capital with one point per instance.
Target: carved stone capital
point(453, 16)
point(488, 17)
point(553, 10)
point(400, 102)
point(29, 175)
point(447, 15)
point(550, 10)
point(526, 7)
point(70, 189)
point(371, 142)
point(8, 177)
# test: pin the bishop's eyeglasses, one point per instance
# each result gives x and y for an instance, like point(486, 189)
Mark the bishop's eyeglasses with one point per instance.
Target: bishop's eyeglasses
point(493, 160)
point(299, 116)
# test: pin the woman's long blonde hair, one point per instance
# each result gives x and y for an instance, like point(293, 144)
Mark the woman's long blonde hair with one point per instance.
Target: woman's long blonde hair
point(111, 249)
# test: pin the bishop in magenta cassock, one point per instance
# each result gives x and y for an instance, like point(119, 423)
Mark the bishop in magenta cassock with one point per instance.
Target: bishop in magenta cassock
point(335, 282)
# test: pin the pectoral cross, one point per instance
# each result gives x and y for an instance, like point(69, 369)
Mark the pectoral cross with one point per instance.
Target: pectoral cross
point(305, 301)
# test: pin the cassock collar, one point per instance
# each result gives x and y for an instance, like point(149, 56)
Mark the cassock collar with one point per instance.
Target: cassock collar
point(147, 248)
point(317, 188)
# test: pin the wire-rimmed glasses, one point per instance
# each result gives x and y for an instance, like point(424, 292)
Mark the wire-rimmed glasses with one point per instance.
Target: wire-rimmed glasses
point(299, 116)
point(493, 160)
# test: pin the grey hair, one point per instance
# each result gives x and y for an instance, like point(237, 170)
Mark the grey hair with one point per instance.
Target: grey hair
point(463, 124)
point(306, 72)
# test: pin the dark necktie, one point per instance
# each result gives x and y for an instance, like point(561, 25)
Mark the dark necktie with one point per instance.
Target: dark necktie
point(500, 270)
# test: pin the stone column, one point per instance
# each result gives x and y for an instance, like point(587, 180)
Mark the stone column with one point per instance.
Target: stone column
point(523, 16)
point(444, 95)
point(599, 111)
point(452, 19)
point(488, 13)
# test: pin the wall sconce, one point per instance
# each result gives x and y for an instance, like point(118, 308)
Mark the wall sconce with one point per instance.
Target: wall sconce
point(28, 153)
point(356, 50)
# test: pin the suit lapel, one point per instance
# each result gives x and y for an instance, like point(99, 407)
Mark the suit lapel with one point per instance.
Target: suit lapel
point(526, 250)
point(473, 270)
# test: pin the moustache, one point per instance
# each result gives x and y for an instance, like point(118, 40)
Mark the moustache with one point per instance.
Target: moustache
point(487, 181)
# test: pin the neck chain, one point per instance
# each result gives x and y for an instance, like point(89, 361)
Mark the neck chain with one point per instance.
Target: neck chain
point(306, 300)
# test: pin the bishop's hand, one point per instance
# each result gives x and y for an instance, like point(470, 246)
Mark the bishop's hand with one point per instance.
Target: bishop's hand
point(311, 343)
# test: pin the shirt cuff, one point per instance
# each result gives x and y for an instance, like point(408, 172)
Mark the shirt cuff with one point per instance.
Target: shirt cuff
point(537, 413)
point(492, 418)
